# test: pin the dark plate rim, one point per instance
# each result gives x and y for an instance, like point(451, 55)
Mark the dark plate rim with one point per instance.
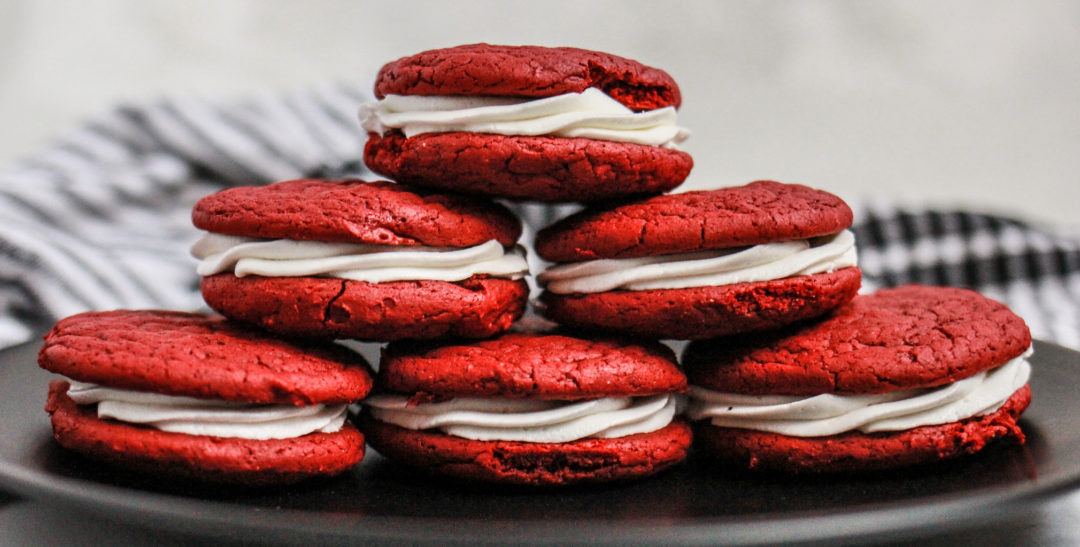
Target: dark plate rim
point(218, 518)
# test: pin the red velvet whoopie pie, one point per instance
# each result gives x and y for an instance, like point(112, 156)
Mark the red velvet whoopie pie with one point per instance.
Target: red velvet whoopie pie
point(900, 377)
point(364, 260)
point(529, 409)
point(554, 124)
point(195, 396)
point(700, 264)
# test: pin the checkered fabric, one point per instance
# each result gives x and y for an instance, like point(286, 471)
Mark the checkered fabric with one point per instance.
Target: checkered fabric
point(1035, 273)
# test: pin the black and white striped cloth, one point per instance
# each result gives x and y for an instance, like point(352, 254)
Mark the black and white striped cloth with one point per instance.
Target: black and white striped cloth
point(101, 219)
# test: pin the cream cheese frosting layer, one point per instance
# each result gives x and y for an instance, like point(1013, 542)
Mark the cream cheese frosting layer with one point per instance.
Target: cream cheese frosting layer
point(764, 262)
point(528, 421)
point(828, 414)
point(193, 416)
point(591, 114)
point(244, 256)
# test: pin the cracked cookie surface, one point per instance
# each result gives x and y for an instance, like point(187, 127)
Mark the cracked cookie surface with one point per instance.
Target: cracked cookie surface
point(477, 307)
point(355, 211)
point(527, 71)
point(549, 169)
point(525, 365)
point(759, 212)
point(190, 354)
point(903, 338)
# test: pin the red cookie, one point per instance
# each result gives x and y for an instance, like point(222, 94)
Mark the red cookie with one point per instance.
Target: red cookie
point(550, 169)
point(477, 307)
point(527, 167)
point(205, 358)
point(851, 452)
point(530, 369)
point(379, 213)
point(914, 341)
point(540, 464)
point(907, 337)
point(732, 219)
point(354, 211)
point(527, 71)
point(702, 312)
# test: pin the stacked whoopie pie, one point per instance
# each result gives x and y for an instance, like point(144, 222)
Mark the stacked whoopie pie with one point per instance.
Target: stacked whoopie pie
point(226, 400)
point(790, 370)
point(535, 124)
point(402, 263)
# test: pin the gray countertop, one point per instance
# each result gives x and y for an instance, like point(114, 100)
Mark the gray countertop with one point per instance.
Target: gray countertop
point(1054, 523)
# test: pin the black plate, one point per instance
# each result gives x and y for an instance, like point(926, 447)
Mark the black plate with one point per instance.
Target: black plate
point(694, 503)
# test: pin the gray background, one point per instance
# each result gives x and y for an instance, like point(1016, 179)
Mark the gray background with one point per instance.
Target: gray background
point(961, 103)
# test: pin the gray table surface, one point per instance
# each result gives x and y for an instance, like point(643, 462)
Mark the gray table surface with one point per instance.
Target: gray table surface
point(28, 522)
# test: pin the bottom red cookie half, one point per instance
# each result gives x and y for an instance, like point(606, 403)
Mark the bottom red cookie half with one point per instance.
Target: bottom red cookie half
point(704, 312)
point(856, 451)
point(210, 459)
point(539, 464)
point(477, 307)
point(541, 168)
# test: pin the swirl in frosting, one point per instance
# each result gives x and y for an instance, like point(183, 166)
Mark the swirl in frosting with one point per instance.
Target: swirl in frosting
point(829, 414)
point(719, 267)
point(193, 416)
point(354, 261)
point(591, 114)
point(528, 421)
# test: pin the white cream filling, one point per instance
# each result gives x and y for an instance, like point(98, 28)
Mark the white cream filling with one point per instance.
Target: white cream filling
point(828, 414)
point(208, 417)
point(763, 262)
point(354, 261)
point(528, 421)
point(591, 114)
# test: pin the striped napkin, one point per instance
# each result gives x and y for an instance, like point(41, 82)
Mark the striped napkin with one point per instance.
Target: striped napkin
point(101, 219)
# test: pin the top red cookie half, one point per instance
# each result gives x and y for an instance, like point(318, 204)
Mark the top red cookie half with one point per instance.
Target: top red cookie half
point(895, 339)
point(206, 357)
point(527, 71)
point(535, 366)
point(355, 211)
point(759, 212)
